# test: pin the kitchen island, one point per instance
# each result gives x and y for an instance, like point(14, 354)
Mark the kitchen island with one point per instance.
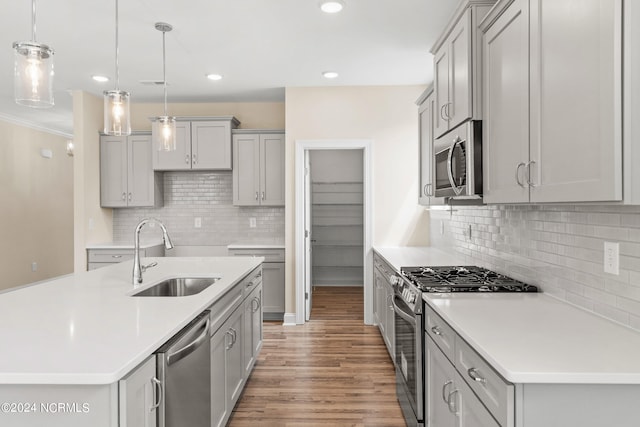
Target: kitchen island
point(69, 341)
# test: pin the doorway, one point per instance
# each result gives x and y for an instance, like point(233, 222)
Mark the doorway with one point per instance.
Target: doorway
point(339, 196)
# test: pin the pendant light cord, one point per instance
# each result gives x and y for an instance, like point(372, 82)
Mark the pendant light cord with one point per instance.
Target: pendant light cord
point(164, 71)
point(117, 52)
point(33, 20)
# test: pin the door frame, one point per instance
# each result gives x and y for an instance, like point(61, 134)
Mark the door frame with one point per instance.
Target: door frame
point(301, 146)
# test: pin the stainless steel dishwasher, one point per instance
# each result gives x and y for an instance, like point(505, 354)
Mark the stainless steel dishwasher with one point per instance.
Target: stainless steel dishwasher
point(184, 371)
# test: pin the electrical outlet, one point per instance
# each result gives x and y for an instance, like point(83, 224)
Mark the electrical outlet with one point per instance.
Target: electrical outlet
point(612, 258)
point(34, 266)
point(252, 223)
point(468, 232)
point(197, 222)
point(442, 227)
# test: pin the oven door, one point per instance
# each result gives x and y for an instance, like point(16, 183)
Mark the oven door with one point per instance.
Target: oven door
point(408, 351)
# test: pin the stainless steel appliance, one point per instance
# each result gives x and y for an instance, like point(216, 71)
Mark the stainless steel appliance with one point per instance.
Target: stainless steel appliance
point(184, 370)
point(458, 162)
point(409, 322)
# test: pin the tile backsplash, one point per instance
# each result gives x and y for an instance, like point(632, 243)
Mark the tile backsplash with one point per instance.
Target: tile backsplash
point(207, 195)
point(559, 248)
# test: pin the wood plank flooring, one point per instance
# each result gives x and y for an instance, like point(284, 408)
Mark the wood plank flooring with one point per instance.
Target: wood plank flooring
point(332, 371)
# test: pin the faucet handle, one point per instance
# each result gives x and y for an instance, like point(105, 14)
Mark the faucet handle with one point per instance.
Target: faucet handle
point(145, 267)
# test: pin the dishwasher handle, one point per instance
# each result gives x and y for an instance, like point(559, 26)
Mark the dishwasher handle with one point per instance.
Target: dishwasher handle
point(177, 355)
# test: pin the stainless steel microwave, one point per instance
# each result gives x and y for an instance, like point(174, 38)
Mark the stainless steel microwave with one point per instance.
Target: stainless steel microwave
point(458, 162)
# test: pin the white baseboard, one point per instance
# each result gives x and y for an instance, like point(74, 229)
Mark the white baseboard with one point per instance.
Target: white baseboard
point(289, 319)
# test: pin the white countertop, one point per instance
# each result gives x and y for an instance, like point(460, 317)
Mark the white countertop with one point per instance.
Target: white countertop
point(85, 328)
point(534, 338)
point(123, 245)
point(418, 256)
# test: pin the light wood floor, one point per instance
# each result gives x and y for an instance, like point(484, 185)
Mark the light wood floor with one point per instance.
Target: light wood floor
point(332, 371)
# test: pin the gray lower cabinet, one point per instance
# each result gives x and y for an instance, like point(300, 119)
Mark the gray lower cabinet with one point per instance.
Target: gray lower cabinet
point(139, 396)
point(383, 308)
point(272, 278)
point(103, 257)
point(258, 168)
point(202, 143)
point(252, 328)
point(127, 178)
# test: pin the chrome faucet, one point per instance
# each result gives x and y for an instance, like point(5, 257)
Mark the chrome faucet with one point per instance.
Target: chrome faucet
point(137, 268)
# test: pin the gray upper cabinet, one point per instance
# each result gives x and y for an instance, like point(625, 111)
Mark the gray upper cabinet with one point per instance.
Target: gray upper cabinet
point(258, 168)
point(426, 108)
point(126, 174)
point(202, 143)
point(457, 68)
point(552, 128)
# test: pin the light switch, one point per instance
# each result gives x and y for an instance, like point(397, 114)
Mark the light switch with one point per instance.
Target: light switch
point(197, 223)
point(252, 223)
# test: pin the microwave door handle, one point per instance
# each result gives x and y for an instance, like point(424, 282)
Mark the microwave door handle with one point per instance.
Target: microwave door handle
point(452, 180)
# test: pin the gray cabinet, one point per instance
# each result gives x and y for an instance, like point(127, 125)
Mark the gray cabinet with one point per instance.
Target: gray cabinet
point(552, 129)
point(202, 143)
point(105, 256)
point(426, 108)
point(258, 168)
point(272, 278)
point(139, 396)
point(252, 329)
point(457, 68)
point(383, 307)
point(126, 174)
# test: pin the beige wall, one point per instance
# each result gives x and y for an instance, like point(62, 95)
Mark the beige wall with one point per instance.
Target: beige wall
point(252, 115)
point(36, 206)
point(389, 117)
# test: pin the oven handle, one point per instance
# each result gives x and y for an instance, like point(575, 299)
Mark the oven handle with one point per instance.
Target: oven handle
point(401, 313)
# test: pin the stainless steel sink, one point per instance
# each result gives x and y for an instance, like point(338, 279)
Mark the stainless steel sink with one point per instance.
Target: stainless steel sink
point(178, 287)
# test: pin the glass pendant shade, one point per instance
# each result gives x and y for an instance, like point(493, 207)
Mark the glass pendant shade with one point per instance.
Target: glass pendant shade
point(116, 113)
point(33, 74)
point(164, 133)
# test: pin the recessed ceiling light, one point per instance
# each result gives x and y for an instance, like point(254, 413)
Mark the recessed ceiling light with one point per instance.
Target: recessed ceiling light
point(329, 74)
point(214, 76)
point(100, 79)
point(331, 6)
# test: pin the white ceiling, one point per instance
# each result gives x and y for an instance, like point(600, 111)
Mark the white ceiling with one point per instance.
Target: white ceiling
point(259, 46)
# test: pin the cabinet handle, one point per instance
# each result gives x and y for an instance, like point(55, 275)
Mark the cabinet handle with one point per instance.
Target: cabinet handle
point(116, 256)
point(442, 116)
point(228, 334)
point(451, 403)
point(521, 164)
point(157, 393)
point(428, 190)
point(444, 391)
point(195, 159)
point(528, 174)
point(256, 195)
point(263, 195)
point(234, 336)
point(124, 196)
point(389, 303)
point(129, 196)
point(446, 110)
point(473, 373)
point(436, 330)
point(186, 159)
point(257, 307)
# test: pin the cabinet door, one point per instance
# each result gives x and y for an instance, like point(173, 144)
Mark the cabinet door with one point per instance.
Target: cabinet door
point(140, 171)
point(439, 387)
point(441, 90)
point(389, 327)
point(576, 106)
point(272, 170)
point(460, 70)
point(380, 301)
point(219, 390)
point(211, 145)
point(273, 285)
point(246, 170)
point(235, 363)
point(113, 171)
point(138, 394)
point(425, 120)
point(506, 106)
point(252, 330)
point(180, 159)
point(470, 411)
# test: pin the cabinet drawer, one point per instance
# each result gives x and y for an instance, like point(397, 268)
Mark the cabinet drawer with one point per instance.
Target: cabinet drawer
point(270, 255)
point(494, 392)
point(110, 255)
point(443, 335)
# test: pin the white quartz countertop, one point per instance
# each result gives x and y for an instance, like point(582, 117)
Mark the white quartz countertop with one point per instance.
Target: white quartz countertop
point(123, 245)
point(534, 338)
point(85, 328)
point(418, 256)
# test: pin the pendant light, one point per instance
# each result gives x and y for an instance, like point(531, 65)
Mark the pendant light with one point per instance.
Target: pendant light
point(33, 71)
point(117, 119)
point(164, 127)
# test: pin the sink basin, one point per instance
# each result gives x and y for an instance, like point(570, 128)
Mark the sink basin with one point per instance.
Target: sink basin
point(178, 287)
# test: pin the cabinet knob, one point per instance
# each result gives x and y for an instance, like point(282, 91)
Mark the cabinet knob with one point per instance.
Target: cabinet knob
point(195, 159)
point(436, 330)
point(186, 158)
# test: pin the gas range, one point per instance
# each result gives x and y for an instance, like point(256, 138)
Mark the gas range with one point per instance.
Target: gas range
point(462, 279)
